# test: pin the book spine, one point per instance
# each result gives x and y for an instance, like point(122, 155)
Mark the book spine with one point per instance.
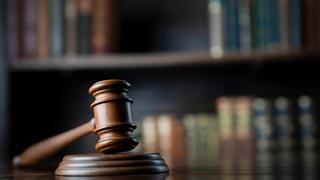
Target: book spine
point(57, 30)
point(30, 29)
point(216, 27)
point(43, 29)
point(189, 122)
point(295, 24)
point(231, 14)
point(264, 135)
point(259, 25)
point(273, 26)
point(284, 25)
point(84, 22)
point(20, 35)
point(172, 135)
point(150, 134)
point(307, 125)
point(310, 27)
point(71, 27)
point(243, 133)
point(283, 124)
point(13, 29)
point(99, 26)
point(263, 126)
point(226, 133)
point(245, 26)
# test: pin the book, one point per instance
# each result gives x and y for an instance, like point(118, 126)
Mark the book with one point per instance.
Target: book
point(231, 25)
point(245, 26)
point(263, 125)
point(216, 27)
point(84, 26)
point(42, 29)
point(30, 29)
point(243, 133)
point(264, 136)
point(259, 25)
point(150, 134)
point(311, 21)
point(104, 26)
point(14, 29)
point(70, 27)
point(172, 143)
point(284, 25)
point(56, 14)
point(284, 126)
point(295, 8)
point(225, 113)
point(273, 26)
point(306, 121)
point(202, 141)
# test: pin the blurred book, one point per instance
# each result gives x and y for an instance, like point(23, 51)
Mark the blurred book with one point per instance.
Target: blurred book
point(273, 26)
point(225, 112)
point(41, 29)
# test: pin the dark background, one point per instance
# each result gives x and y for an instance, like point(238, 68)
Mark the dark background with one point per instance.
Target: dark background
point(43, 103)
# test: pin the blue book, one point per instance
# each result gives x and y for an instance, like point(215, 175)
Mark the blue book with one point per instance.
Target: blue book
point(260, 25)
point(56, 9)
point(231, 14)
point(296, 24)
point(273, 25)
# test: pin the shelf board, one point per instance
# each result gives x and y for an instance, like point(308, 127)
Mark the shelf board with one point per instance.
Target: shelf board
point(152, 60)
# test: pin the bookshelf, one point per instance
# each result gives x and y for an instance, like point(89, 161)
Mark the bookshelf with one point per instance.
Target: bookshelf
point(165, 57)
point(157, 60)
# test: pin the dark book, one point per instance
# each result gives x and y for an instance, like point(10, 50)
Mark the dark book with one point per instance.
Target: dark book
point(311, 21)
point(284, 125)
point(295, 24)
point(13, 29)
point(284, 25)
point(30, 29)
point(84, 26)
point(57, 27)
point(245, 26)
point(307, 123)
point(43, 29)
point(273, 26)
point(260, 25)
point(71, 27)
point(263, 126)
point(231, 26)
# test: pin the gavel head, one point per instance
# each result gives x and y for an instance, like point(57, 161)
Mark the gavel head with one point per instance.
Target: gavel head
point(112, 114)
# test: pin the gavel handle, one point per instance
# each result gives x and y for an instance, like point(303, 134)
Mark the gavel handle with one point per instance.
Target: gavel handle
point(48, 147)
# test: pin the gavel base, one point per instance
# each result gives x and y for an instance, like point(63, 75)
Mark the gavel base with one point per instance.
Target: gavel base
point(111, 164)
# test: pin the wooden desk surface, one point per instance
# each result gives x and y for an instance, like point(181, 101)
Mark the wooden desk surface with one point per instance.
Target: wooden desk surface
point(266, 173)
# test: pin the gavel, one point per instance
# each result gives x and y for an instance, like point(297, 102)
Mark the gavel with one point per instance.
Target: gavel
point(112, 123)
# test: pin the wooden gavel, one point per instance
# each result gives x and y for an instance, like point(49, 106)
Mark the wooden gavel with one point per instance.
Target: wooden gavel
point(112, 122)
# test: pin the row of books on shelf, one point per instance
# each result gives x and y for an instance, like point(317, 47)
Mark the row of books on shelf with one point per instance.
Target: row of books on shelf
point(38, 29)
point(242, 132)
point(273, 26)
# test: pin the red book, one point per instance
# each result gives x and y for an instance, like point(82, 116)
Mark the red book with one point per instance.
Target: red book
point(311, 25)
point(104, 26)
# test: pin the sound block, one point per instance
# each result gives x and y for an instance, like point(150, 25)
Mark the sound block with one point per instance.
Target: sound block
point(111, 164)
